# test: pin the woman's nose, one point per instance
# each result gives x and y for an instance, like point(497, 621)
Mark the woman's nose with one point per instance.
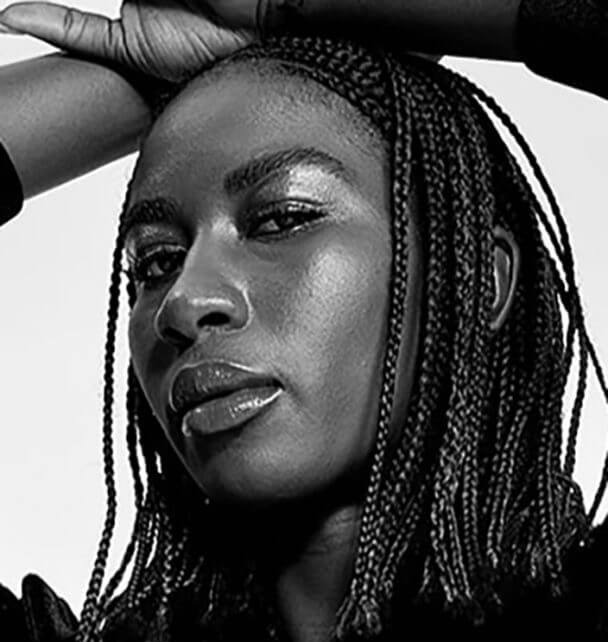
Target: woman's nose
point(202, 300)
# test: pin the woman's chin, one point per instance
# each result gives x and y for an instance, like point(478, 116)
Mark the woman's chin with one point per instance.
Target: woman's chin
point(253, 482)
point(275, 459)
point(256, 476)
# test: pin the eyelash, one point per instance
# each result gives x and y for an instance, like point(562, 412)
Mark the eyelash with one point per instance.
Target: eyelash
point(305, 212)
point(140, 265)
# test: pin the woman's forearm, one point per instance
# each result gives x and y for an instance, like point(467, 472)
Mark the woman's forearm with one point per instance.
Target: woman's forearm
point(61, 117)
point(479, 28)
point(565, 41)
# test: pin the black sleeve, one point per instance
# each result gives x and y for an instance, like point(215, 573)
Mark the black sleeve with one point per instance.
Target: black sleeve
point(11, 191)
point(40, 616)
point(585, 568)
point(12, 620)
point(566, 41)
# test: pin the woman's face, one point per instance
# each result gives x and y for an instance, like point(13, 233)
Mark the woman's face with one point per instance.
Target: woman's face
point(259, 232)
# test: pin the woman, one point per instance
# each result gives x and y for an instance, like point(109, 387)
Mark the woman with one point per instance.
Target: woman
point(385, 443)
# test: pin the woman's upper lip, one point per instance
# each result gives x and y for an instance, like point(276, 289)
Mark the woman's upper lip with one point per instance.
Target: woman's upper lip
point(199, 382)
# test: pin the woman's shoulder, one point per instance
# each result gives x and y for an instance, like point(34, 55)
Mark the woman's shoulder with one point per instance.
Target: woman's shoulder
point(40, 615)
point(587, 575)
point(581, 612)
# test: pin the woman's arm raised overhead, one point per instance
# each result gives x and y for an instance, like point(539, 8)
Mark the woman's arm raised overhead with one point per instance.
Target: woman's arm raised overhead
point(61, 117)
point(64, 115)
point(163, 39)
point(56, 104)
point(453, 27)
point(564, 40)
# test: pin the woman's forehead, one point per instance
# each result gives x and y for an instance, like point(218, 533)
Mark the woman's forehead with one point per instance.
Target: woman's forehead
point(219, 123)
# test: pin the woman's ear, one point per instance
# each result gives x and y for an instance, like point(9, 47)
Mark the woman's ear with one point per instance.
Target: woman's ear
point(506, 273)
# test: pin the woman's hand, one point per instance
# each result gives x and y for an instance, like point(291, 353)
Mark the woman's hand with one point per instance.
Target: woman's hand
point(167, 39)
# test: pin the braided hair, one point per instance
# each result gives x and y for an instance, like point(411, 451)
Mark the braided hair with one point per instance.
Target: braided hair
point(475, 494)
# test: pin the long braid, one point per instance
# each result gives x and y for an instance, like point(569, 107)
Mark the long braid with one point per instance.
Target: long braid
point(482, 349)
point(89, 612)
point(149, 509)
point(466, 401)
point(365, 612)
point(553, 321)
point(445, 539)
point(565, 252)
point(132, 420)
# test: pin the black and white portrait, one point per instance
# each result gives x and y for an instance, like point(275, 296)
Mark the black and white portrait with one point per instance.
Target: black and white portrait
point(303, 329)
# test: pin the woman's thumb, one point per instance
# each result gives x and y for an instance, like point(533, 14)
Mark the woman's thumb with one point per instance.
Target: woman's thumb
point(76, 31)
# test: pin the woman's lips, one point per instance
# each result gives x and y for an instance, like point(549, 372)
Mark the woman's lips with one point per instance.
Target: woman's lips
point(224, 413)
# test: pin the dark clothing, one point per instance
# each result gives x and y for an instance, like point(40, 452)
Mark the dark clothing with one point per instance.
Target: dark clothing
point(566, 41)
point(582, 614)
point(563, 40)
point(11, 193)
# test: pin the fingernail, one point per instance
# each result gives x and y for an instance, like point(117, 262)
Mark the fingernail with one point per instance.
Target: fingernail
point(5, 29)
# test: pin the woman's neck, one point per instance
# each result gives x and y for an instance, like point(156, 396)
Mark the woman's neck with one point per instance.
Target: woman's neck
point(306, 556)
point(304, 553)
point(312, 581)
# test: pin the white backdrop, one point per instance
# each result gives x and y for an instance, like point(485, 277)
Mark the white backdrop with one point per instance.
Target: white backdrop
point(55, 262)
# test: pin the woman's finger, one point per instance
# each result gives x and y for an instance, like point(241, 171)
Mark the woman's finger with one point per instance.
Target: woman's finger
point(66, 28)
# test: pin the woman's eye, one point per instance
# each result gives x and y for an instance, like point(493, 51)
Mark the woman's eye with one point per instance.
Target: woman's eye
point(282, 220)
point(150, 267)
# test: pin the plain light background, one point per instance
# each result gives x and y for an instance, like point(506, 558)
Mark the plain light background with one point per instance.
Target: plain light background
point(54, 266)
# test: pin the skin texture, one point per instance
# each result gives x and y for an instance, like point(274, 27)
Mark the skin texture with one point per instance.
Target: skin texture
point(168, 39)
point(51, 104)
point(308, 308)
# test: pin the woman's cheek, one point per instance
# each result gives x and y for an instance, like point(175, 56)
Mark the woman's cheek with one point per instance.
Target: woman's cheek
point(139, 330)
point(337, 329)
point(146, 349)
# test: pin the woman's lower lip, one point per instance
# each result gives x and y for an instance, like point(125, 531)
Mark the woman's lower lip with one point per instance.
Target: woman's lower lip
point(224, 413)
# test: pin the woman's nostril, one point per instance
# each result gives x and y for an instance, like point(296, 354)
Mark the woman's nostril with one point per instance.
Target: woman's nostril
point(214, 319)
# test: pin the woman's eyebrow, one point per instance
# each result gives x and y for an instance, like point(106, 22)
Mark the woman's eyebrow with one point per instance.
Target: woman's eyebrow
point(165, 210)
point(152, 210)
point(259, 168)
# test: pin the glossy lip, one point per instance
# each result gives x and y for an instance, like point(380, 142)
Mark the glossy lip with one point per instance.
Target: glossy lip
point(200, 383)
point(231, 411)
